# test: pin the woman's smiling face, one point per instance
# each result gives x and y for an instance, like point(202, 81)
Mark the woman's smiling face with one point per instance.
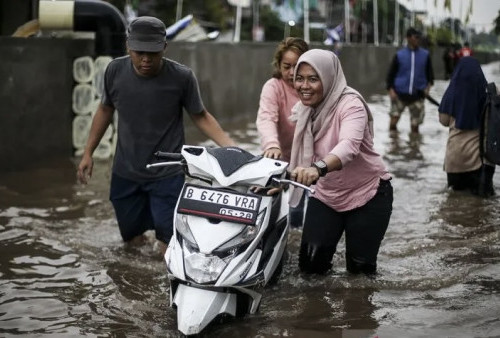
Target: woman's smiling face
point(287, 65)
point(308, 85)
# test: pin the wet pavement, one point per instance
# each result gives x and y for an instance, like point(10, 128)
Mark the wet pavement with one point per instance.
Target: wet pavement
point(65, 273)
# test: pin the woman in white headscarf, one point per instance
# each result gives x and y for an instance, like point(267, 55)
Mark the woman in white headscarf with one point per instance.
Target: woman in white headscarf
point(333, 150)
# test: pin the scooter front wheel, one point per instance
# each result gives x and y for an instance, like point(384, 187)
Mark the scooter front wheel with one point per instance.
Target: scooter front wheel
point(196, 308)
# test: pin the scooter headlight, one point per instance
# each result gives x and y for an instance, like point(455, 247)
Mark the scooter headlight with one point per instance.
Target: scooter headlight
point(203, 268)
point(182, 227)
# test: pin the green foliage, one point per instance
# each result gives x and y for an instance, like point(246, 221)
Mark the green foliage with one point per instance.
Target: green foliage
point(218, 14)
point(221, 14)
point(485, 42)
point(443, 36)
point(431, 35)
point(497, 24)
point(274, 28)
point(214, 11)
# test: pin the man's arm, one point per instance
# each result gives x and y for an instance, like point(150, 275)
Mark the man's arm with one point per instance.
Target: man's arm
point(102, 118)
point(391, 75)
point(207, 123)
point(429, 71)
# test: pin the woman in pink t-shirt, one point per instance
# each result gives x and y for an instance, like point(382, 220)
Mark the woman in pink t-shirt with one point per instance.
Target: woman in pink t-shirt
point(277, 98)
point(333, 149)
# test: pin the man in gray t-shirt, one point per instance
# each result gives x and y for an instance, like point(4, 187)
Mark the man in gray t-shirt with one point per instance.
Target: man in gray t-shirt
point(150, 93)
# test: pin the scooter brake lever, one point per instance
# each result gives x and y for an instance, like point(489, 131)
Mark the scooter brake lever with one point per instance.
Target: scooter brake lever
point(285, 181)
point(164, 164)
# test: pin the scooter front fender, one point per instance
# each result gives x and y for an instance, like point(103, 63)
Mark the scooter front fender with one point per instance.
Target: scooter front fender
point(196, 308)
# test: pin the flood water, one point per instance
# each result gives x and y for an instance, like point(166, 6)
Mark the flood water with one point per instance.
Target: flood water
point(65, 273)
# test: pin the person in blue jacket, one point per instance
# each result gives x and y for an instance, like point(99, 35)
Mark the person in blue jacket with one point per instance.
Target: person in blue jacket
point(409, 79)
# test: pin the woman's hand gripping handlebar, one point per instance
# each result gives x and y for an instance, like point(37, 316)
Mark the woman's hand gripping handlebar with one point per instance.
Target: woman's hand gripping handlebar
point(276, 185)
point(281, 181)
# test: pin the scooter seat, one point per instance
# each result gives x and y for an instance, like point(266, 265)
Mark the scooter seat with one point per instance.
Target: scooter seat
point(231, 159)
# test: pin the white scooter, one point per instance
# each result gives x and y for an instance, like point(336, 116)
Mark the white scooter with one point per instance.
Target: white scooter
point(228, 240)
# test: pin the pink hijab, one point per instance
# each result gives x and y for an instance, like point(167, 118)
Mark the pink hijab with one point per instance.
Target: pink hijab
point(313, 123)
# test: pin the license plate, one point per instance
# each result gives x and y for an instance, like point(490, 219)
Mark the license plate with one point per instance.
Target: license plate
point(219, 204)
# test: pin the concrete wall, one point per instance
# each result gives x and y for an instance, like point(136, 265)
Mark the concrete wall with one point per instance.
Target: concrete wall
point(230, 75)
point(37, 82)
point(35, 99)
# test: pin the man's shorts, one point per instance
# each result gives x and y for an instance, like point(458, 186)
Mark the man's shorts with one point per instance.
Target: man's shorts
point(143, 206)
point(416, 108)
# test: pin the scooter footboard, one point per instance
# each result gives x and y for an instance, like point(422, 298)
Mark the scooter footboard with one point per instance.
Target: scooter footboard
point(196, 308)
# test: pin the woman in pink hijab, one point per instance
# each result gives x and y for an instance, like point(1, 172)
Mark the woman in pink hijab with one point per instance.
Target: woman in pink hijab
point(333, 149)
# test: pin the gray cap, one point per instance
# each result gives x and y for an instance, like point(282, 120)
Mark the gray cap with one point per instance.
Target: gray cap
point(146, 34)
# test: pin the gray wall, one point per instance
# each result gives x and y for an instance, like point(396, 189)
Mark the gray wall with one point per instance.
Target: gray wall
point(231, 75)
point(35, 99)
point(37, 83)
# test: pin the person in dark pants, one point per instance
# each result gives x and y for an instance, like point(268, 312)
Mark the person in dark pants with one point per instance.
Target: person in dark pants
point(150, 93)
point(333, 150)
point(460, 111)
point(449, 61)
point(409, 80)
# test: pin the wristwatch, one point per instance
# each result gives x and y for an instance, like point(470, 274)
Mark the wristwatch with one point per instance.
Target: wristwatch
point(321, 166)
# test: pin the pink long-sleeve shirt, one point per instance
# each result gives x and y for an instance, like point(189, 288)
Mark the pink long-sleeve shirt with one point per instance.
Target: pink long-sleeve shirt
point(273, 123)
point(350, 139)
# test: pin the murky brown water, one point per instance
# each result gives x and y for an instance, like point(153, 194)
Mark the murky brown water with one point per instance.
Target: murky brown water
point(65, 273)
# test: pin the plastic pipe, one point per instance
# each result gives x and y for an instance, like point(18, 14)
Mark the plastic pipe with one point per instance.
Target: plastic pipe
point(88, 16)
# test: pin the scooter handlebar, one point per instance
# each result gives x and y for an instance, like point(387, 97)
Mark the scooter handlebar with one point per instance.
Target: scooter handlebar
point(285, 181)
point(170, 159)
point(162, 155)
